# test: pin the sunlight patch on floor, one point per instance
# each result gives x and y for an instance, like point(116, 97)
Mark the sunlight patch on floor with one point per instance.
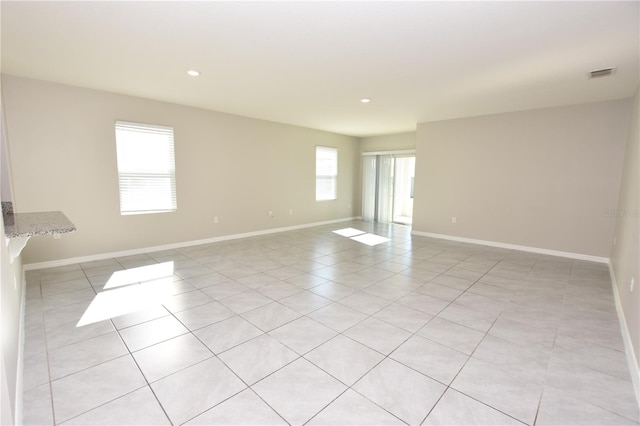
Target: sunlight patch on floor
point(140, 274)
point(130, 291)
point(370, 239)
point(361, 236)
point(348, 232)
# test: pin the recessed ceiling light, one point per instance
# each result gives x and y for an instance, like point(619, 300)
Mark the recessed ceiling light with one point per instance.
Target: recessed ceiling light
point(365, 100)
point(193, 73)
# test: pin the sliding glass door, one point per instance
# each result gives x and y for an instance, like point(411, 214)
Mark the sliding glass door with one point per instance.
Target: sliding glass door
point(369, 178)
point(387, 187)
point(404, 174)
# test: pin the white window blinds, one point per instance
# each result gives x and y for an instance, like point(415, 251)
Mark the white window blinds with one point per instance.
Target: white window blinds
point(326, 173)
point(146, 168)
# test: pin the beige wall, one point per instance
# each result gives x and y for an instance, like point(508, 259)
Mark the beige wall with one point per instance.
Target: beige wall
point(542, 178)
point(63, 158)
point(625, 254)
point(395, 142)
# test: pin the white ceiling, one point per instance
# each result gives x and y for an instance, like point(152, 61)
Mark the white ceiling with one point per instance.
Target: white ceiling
point(309, 63)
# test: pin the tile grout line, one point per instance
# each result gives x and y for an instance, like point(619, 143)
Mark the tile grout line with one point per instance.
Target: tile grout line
point(345, 296)
point(130, 355)
point(486, 333)
point(555, 337)
point(358, 290)
point(46, 347)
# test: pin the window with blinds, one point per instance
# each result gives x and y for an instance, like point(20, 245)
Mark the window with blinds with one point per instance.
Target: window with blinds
point(326, 173)
point(146, 168)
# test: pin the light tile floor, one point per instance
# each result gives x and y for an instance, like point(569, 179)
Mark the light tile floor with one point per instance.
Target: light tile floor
point(310, 327)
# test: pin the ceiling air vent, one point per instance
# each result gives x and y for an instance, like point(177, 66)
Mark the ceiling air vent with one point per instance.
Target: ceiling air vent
point(604, 72)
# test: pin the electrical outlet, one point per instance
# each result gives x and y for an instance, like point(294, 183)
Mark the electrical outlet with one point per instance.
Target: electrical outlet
point(454, 219)
point(216, 219)
point(270, 214)
point(631, 285)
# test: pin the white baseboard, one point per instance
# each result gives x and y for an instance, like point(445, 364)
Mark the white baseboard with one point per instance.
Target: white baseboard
point(537, 250)
point(634, 370)
point(101, 256)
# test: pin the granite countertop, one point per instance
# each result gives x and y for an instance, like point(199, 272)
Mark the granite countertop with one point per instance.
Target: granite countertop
point(31, 224)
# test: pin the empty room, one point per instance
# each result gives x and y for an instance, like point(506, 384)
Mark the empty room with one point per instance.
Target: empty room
point(320, 213)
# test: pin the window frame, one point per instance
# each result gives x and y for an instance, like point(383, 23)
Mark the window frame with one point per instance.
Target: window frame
point(332, 176)
point(155, 175)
